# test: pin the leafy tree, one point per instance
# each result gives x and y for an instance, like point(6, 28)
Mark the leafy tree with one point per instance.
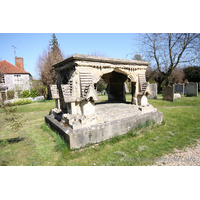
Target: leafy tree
point(192, 74)
point(100, 87)
point(168, 50)
point(46, 61)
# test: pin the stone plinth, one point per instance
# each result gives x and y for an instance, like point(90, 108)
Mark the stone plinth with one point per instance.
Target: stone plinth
point(113, 119)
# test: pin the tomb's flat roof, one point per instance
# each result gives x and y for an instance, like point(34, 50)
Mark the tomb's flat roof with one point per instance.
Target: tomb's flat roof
point(99, 59)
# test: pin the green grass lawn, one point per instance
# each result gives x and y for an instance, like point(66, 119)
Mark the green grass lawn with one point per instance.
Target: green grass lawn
point(36, 144)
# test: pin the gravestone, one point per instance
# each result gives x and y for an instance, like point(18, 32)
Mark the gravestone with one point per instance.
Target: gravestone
point(168, 93)
point(126, 88)
point(153, 89)
point(179, 88)
point(192, 89)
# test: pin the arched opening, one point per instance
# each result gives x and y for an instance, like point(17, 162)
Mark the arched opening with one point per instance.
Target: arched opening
point(115, 88)
point(101, 87)
point(118, 86)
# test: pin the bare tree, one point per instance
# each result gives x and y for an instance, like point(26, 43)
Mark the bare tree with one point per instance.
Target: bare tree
point(178, 76)
point(45, 63)
point(169, 50)
point(96, 53)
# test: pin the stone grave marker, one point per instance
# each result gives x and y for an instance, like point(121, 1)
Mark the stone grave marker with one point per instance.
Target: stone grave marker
point(179, 88)
point(168, 93)
point(192, 89)
point(153, 88)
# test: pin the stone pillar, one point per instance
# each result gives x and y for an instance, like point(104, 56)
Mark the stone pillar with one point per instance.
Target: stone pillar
point(134, 94)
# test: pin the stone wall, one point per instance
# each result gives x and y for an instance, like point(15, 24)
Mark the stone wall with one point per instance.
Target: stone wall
point(153, 88)
point(179, 88)
point(168, 93)
point(192, 89)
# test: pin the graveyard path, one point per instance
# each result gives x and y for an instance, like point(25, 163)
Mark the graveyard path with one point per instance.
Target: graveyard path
point(188, 157)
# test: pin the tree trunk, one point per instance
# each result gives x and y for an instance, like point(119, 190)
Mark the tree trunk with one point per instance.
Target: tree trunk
point(48, 93)
point(159, 87)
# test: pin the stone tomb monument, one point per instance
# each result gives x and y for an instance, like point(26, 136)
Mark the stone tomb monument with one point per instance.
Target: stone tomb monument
point(76, 116)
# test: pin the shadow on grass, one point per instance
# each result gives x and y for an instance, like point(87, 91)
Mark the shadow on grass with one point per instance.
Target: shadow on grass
point(11, 141)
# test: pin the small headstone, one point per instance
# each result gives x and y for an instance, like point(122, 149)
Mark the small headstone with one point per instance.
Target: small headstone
point(153, 89)
point(192, 89)
point(168, 93)
point(179, 88)
point(126, 88)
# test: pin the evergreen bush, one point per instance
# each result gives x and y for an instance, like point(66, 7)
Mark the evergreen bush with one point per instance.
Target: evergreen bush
point(25, 94)
point(33, 93)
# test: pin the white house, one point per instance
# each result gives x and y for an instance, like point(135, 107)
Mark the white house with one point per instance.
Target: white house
point(14, 77)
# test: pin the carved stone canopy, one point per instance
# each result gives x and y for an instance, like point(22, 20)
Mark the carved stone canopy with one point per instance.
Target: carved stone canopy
point(100, 62)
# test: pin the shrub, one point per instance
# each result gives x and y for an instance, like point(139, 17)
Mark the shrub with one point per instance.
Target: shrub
point(25, 94)
point(22, 102)
point(10, 94)
point(33, 93)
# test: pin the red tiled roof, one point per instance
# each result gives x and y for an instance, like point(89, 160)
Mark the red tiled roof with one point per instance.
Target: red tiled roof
point(8, 68)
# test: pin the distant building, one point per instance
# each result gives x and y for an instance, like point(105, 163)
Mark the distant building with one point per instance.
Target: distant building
point(14, 77)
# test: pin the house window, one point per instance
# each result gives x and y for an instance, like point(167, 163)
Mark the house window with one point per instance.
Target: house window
point(2, 78)
point(17, 79)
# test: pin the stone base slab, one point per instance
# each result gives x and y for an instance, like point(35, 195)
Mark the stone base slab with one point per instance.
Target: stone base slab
point(77, 138)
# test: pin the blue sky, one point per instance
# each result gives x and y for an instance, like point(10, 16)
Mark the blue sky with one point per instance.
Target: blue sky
point(85, 27)
point(31, 45)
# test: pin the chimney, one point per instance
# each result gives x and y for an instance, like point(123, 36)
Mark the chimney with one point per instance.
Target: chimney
point(19, 62)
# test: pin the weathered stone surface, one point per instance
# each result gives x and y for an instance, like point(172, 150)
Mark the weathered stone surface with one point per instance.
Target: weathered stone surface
point(192, 89)
point(108, 128)
point(168, 93)
point(153, 89)
point(75, 108)
point(177, 95)
point(54, 91)
point(179, 88)
point(142, 100)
